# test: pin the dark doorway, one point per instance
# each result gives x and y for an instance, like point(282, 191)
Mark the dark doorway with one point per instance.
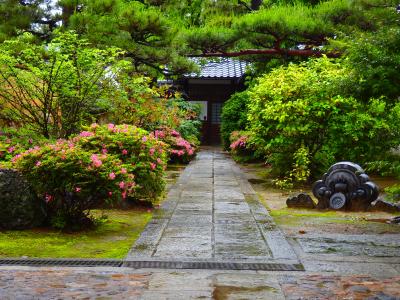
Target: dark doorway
point(214, 85)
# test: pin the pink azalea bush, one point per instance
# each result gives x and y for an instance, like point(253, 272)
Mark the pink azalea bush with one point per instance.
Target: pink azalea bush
point(14, 142)
point(241, 146)
point(179, 150)
point(102, 165)
point(133, 146)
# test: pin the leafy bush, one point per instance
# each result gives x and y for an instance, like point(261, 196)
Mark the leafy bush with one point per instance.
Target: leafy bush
point(393, 193)
point(234, 116)
point(151, 108)
point(133, 146)
point(72, 180)
point(60, 84)
point(180, 150)
point(105, 164)
point(387, 166)
point(303, 119)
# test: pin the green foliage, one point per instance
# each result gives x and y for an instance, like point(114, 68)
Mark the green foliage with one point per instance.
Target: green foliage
point(376, 59)
point(393, 193)
point(15, 141)
point(387, 165)
point(303, 119)
point(15, 17)
point(148, 38)
point(113, 238)
point(106, 164)
point(234, 116)
point(54, 89)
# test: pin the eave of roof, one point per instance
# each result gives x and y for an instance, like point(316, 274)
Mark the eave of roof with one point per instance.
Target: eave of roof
point(225, 68)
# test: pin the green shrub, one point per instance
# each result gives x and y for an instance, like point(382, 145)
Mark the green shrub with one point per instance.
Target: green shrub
point(393, 193)
point(234, 116)
point(303, 119)
point(388, 166)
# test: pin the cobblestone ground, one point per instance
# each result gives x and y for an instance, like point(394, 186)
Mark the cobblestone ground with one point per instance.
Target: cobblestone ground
point(122, 283)
point(337, 266)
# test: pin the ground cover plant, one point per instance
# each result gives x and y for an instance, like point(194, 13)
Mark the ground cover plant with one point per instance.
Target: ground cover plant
point(114, 235)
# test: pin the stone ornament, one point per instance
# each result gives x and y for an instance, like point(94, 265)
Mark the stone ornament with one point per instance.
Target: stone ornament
point(345, 186)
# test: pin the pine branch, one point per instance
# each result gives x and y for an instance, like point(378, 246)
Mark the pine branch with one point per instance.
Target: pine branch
point(279, 52)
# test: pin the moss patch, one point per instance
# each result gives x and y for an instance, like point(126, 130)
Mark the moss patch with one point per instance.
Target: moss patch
point(112, 239)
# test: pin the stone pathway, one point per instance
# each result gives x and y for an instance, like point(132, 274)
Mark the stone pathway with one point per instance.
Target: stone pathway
point(213, 214)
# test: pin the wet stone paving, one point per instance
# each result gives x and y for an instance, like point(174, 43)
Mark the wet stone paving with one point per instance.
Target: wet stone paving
point(212, 214)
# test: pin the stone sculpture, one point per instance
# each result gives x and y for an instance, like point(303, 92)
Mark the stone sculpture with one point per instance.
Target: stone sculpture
point(345, 186)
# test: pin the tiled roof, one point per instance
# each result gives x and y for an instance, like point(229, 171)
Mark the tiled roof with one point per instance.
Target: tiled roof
point(224, 68)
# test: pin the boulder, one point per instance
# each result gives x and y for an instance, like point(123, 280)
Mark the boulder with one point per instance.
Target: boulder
point(301, 200)
point(381, 205)
point(20, 208)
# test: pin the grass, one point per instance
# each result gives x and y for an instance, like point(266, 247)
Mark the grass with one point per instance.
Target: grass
point(111, 239)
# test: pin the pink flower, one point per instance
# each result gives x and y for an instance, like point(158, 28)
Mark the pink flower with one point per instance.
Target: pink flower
point(96, 161)
point(78, 189)
point(175, 133)
point(104, 151)
point(123, 194)
point(109, 194)
point(124, 152)
point(110, 126)
point(38, 163)
point(14, 159)
point(123, 171)
point(159, 161)
point(121, 185)
point(48, 198)
point(153, 166)
point(159, 134)
point(152, 150)
point(111, 175)
point(144, 139)
point(30, 141)
point(11, 149)
point(86, 134)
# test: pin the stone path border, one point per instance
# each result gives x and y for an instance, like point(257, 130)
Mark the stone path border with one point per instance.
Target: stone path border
point(220, 194)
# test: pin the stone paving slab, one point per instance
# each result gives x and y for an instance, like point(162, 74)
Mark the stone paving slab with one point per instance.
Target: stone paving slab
point(212, 213)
